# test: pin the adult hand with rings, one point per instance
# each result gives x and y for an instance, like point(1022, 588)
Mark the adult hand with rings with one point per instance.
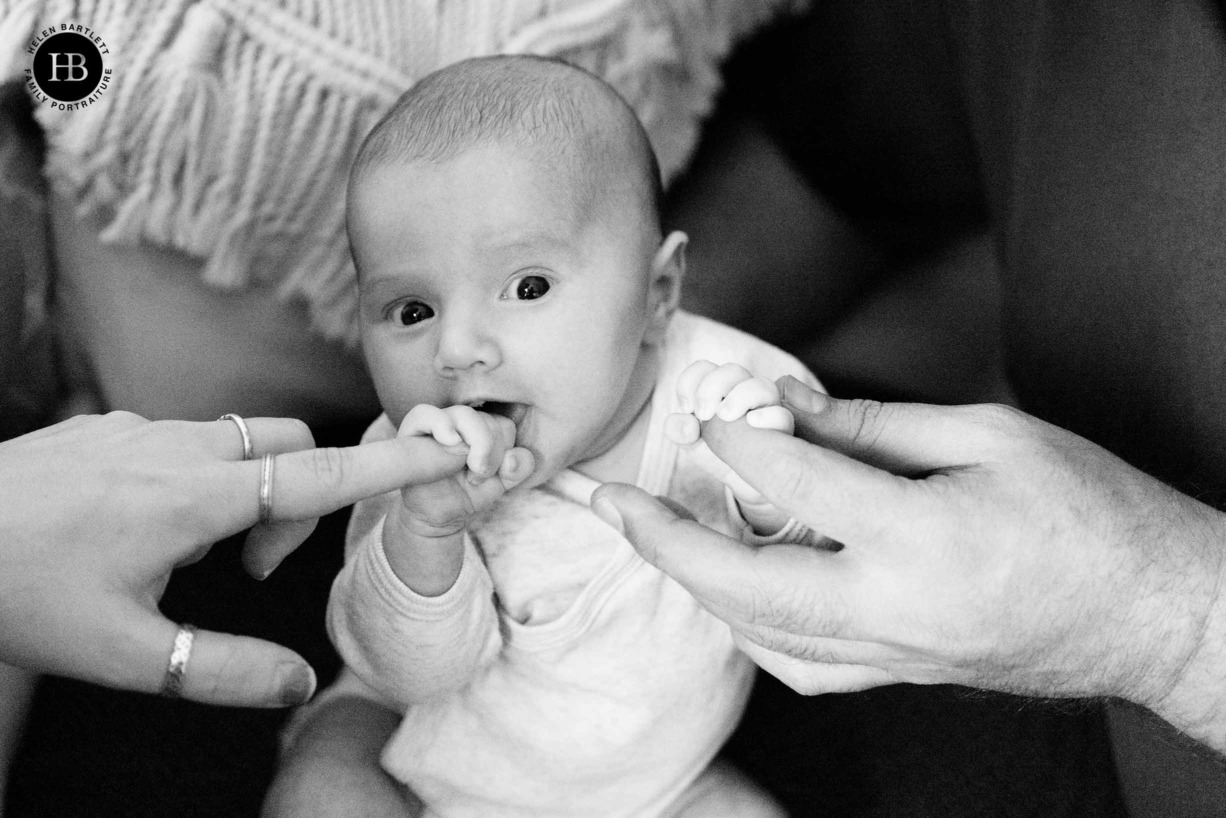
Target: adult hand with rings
point(981, 547)
point(96, 512)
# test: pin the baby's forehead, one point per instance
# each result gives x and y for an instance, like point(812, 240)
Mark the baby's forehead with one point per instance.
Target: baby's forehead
point(574, 184)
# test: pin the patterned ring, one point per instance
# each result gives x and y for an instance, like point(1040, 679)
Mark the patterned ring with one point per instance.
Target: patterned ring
point(248, 451)
point(172, 682)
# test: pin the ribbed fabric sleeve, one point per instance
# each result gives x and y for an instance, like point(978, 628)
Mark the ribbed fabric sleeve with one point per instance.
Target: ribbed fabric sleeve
point(406, 647)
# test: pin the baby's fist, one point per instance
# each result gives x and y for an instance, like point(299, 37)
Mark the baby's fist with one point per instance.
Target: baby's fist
point(730, 392)
point(492, 465)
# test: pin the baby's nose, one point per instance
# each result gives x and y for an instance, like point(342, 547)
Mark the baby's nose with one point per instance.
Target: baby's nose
point(466, 342)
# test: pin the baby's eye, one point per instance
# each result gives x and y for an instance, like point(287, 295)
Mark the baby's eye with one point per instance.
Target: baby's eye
point(411, 312)
point(530, 287)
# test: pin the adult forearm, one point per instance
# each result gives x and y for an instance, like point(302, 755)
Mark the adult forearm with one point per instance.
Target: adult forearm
point(1196, 701)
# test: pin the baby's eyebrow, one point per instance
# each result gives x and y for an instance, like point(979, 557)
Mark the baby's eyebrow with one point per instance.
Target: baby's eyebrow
point(375, 286)
point(533, 243)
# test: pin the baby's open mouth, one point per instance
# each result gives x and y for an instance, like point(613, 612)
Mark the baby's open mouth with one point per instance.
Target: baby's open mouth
point(513, 411)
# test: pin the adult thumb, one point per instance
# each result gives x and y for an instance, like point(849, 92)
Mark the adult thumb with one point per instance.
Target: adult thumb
point(245, 672)
point(222, 668)
point(704, 562)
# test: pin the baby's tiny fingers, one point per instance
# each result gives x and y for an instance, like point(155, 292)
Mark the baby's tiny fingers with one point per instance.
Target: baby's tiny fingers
point(425, 419)
point(746, 395)
point(517, 466)
point(778, 418)
point(682, 429)
point(688, 380)
point(715, 387)
point(476, 432)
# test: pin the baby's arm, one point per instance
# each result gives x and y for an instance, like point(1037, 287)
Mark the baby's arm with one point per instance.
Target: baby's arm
point(412, 611)
point(706, 390)
point(423, 536)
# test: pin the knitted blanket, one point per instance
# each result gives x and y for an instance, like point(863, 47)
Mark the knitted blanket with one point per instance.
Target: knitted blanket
point(229, 127)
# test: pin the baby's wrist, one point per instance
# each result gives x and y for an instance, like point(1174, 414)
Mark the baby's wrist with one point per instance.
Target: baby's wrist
point(420, 529)
point(425, 556)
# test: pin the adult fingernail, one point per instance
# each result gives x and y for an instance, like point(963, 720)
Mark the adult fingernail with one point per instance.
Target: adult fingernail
point(609, 513)
point(800, 396)
point(297, 685)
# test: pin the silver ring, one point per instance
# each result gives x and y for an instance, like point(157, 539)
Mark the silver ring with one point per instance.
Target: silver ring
point(248, 451)
point(176, 669)
point(266, 469)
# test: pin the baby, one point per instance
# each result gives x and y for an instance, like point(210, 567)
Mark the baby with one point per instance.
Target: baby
point(518, 304)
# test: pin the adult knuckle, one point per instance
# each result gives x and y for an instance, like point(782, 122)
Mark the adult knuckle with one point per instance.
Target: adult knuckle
point(330, 466)
point(239, 676)
point(865, 420)
point(122, 417)
point(996, 416)
point(300, 432)
point(795, 482)
point(1000, 425)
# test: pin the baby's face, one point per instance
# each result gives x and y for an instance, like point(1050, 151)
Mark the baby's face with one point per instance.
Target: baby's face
point(481, 285)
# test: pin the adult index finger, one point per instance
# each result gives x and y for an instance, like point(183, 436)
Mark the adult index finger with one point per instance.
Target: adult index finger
point(314, 482)
point(909, 439)
point(148, 651)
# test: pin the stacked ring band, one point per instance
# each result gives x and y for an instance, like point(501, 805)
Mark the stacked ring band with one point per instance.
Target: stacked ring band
point(248, 451)
point(266, 472)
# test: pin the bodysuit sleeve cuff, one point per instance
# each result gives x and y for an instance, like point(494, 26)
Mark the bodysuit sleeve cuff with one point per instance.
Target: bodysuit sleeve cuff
point(473, 581)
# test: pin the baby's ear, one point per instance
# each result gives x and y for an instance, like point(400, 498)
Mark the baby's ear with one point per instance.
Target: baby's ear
point(667, 271)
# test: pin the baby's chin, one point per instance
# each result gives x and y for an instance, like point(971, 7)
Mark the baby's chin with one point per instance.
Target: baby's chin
point(547, 464)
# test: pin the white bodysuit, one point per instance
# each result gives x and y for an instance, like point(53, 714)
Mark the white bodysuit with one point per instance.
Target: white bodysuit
point(561, 675)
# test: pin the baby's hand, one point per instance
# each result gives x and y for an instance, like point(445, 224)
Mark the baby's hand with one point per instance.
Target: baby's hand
point(729, 392)
point(492, 466)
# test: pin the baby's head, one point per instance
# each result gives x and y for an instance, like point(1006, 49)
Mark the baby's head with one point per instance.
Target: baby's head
point(504, 219)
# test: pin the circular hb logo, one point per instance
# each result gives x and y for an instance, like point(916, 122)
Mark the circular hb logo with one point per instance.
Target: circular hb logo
point(67, 67)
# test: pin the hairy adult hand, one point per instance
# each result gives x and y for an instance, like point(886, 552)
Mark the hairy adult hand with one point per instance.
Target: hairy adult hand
point(982, 547)
point(96, 511)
